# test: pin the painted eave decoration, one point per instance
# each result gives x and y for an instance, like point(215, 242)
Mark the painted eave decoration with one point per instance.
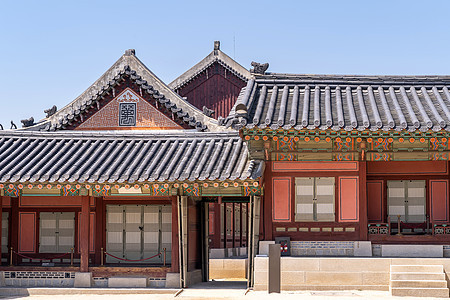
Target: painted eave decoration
point(126, 159)
point(128, 67)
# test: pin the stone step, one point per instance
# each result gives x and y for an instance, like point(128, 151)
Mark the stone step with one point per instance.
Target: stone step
point(417, 276)
point(417, 268)
point(420, 292)
point(419, 283)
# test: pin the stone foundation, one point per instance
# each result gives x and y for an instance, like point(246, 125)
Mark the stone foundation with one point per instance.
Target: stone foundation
point(228, 268)
point(326, 273)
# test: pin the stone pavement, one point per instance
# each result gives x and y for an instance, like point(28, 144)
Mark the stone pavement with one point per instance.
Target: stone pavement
point(201, 294)
point(205, 290)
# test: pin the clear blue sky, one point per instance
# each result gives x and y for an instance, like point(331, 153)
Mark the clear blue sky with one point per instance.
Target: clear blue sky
point(51, 51)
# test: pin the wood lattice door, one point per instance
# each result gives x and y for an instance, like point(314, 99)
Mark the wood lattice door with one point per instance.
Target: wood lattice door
point(135, 232)
point(57, 232)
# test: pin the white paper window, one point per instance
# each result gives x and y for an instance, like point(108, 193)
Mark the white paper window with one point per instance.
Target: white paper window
point(406, 198)
point(315, 199)
point(57, 232)
point(139, 231)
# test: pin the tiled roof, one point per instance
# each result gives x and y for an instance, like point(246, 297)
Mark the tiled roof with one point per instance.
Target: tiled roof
point(345, 103)
point(77, 156)
point(127, 65)
point(215, 56)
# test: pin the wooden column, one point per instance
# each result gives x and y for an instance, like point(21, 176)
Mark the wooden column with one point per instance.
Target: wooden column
point(266, 205)
point(175, 268)
point(99, 229)
point(14, 226)
point(224, 216)
point(363, 214)
point(1, 227)
point(217, 228)
point(84, 234)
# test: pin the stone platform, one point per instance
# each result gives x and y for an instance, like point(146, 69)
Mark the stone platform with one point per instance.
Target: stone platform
point(346, 273)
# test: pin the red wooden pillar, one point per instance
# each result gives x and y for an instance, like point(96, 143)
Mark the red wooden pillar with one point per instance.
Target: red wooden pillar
point(233, 221)
point(363, 214)
point(84, 233)
point(266, 205)
point(14, 226)
point(217, 232)
point(224, 216)
point(175, 248)
point(240, 224)
point(1, 227)
point(99, 229)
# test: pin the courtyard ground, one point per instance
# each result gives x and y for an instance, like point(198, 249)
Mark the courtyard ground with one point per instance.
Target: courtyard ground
point(209, 290)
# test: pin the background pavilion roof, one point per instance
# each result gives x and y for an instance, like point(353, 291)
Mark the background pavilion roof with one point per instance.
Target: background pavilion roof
point(345, 103)
point(118, 156)
point(215, 56)
point(127, 65)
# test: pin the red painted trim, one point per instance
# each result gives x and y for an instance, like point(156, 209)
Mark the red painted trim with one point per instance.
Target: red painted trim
point(344, 199)
point(27, 227)
point(290, 166)
point(407, 167)
point(49, 201)
point(127, 199)
point(443, 207)
point(6, 201)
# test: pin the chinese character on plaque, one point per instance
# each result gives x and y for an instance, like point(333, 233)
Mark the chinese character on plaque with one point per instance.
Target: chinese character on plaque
point(127, 114)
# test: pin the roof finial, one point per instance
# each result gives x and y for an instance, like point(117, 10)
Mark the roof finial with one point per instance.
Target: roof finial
point(130, 52)
point(216, 47)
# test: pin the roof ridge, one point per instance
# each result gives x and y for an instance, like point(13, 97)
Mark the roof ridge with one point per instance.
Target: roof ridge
point(119, 134)
point(352, 79)
point(127, 64)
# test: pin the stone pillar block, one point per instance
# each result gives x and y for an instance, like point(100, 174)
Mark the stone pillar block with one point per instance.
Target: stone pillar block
point(264, 247)
point(83, 280)
point(362, 248)
point(173, 280)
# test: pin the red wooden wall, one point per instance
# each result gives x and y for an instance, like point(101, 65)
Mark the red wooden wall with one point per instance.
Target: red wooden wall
point(216, 88)
point(27, 232)
point(348, 207)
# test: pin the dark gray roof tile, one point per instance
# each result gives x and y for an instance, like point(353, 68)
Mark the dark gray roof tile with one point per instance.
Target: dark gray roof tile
point(98, 157)
point(346, 102)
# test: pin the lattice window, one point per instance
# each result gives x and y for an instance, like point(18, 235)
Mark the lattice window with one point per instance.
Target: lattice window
point(314, 197)
point(406, 198)
point(127, 114)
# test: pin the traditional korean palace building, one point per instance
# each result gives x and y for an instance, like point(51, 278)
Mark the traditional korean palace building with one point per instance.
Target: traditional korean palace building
point(138, 177)
point(123, 177)
point(347, 156)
